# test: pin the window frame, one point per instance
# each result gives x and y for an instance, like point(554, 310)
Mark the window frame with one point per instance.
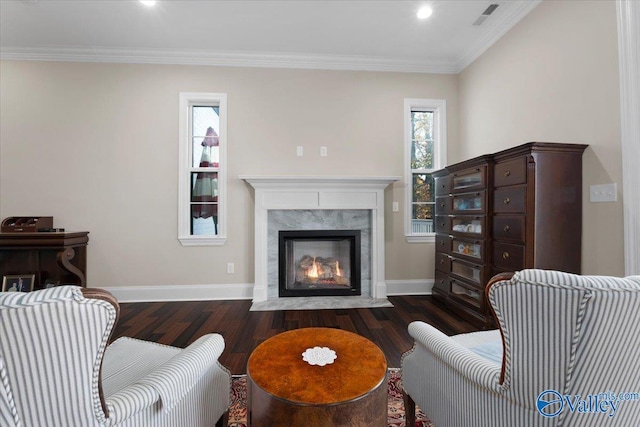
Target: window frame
point(185, 168)
point(439, 109)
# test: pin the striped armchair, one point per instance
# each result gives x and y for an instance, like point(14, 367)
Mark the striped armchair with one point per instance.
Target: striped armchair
point(57, 369)
point(566, 354)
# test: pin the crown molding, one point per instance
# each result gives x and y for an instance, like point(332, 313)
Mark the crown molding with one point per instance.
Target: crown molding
point(501, 25)
point(227, 59)
point(498, 27)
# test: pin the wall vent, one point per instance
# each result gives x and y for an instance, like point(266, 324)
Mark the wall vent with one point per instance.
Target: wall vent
point(488, 11)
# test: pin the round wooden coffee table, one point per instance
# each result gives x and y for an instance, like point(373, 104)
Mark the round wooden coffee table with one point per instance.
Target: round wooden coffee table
point(285, 390)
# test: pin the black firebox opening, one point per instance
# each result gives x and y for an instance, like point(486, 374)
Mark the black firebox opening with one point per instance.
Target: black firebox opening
point(319, 263)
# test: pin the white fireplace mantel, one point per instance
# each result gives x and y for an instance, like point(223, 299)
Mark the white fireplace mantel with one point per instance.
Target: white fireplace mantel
point(319, 192)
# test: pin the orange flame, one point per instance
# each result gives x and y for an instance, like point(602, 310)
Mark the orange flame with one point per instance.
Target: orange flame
point(338, 271)
point(313, 271)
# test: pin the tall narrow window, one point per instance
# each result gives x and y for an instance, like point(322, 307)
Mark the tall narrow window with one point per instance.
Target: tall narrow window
point(202, 186)
point(425, 152)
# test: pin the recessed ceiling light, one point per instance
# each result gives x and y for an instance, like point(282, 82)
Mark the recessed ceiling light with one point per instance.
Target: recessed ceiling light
point(148, 2)
point(424, 12)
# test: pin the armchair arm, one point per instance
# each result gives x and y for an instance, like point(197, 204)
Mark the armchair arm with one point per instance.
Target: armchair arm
point(470, 365)
point(129, 401)
point(8, 412)
point(174, 379)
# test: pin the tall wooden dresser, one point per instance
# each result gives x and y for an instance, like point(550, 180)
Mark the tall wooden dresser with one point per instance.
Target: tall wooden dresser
point(515, 209)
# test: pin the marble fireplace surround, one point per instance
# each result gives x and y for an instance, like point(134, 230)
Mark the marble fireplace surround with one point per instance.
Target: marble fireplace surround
point(279, 200)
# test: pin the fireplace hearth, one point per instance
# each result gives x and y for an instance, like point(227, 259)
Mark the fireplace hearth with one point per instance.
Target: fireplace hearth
point(319, 263)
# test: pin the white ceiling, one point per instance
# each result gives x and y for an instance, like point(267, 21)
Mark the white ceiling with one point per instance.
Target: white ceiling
point(330, 34)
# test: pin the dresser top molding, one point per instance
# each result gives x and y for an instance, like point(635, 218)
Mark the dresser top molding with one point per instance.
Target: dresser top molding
point(529, 147)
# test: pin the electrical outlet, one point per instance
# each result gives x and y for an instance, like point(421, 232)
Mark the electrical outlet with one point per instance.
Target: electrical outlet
point(323, 151)
point(299, 151)
point(230, 268)
point(395, 207)
point(603, 193)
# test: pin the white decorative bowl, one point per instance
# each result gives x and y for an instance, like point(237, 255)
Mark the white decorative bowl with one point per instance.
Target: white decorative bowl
point(319, 356)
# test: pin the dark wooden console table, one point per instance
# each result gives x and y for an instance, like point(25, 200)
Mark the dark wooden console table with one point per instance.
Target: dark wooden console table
point(56, 256)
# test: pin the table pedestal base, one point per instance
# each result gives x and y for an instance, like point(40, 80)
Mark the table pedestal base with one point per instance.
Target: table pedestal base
point(369, 410)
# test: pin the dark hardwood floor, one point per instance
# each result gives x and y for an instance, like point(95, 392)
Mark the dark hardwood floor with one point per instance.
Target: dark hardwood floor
point(181, 323)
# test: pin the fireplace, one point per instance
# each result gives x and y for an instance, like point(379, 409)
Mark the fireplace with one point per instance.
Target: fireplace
point(319, 263)
point(314, 203)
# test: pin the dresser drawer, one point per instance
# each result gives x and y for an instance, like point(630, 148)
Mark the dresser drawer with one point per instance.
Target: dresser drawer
point(510, 200)
point(468, 294)
point(469, 179)
point(509, 227)
point(443, 185)
point(468, 270)
point(441, 283)
point(443, 224)
point(443, 242)
point(509, 257)
point(474, 226)
point(473, 249)
point(468, 248)
point(469, 203)
point(443, 204)
point(511, 172)
point(443, 262)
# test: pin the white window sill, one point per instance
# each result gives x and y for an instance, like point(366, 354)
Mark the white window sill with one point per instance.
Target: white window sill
point(421, 238)
point(203, 240)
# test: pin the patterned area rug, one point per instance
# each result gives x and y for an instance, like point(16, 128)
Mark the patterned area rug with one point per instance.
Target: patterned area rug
point(238, 410)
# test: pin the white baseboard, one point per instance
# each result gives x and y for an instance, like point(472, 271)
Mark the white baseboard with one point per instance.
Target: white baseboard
point(409, 287)
point(237, 291)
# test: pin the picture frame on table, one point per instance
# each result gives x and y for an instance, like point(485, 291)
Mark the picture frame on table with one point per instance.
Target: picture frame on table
point(18, 283)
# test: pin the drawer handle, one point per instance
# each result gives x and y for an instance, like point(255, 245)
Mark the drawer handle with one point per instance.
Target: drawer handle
point(506, 201)
point(505, 255)
point(507, 173)
point(507, 228)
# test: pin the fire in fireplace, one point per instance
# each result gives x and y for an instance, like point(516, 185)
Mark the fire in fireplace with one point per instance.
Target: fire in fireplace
point(319, 263)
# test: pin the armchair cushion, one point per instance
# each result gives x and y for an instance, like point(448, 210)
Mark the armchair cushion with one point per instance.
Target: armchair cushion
point(128, 360)
point(491, 350)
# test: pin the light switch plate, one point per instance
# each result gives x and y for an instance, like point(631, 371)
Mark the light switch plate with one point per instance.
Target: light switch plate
point(603, 193)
